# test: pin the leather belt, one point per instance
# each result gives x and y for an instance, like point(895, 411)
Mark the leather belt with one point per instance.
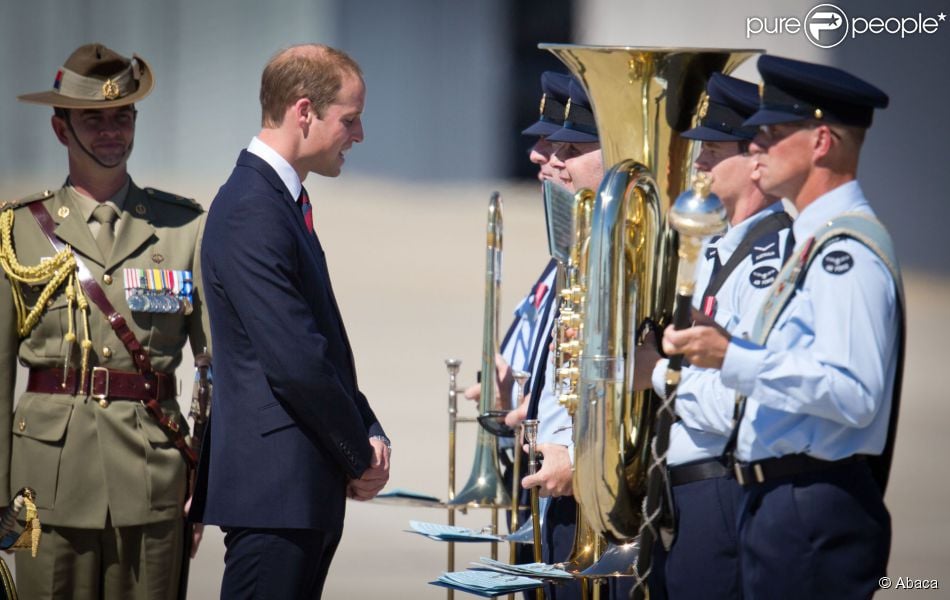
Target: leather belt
point(787, 466)
point(104, 384)
point(710, 468)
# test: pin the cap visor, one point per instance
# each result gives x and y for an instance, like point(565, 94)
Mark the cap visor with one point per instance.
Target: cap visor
point(771, 117)
point(541, 128)
point(572, 136)
point(708, 134)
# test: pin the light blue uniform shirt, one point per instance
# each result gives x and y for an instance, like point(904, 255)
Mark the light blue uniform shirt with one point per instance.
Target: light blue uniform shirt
point(703, 403)
point(531, 328)
point(824, 381)
point(531, 332)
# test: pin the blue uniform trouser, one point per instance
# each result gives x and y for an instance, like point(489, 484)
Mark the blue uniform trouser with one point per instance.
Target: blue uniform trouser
point(825, 534)
point(560, 523)
point(557, 537)
point(703, 561)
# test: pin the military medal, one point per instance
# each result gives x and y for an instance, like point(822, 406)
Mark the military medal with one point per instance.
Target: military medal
point(163, 291)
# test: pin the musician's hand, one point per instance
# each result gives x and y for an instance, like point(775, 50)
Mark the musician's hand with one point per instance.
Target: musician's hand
point(197, 531)
point(374, 478)
point(645, 358)
point(504, 379)
point(556, 477)
point(569, 334)
point(516, 416)
point(702, 345)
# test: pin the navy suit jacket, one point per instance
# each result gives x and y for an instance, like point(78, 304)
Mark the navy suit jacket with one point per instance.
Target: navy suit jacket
point(288, 425)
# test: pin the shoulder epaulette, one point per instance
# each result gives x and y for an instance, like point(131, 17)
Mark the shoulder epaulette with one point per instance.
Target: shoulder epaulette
point(27, 200)
point(174, 199)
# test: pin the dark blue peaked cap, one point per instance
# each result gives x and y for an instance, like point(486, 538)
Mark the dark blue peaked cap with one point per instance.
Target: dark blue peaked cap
point(579, 125)
point(793, 90)
point(730, 101)
point(555, 90)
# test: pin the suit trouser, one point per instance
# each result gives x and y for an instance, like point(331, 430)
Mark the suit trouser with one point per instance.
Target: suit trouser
point(703, 561)
point(261, 564)
point(825, 534)
point(115, 563)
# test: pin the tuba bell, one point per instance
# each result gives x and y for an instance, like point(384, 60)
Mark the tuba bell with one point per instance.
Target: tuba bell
point(641, 98)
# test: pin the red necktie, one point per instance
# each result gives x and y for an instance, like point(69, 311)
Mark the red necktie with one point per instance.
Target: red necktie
point(306, 208)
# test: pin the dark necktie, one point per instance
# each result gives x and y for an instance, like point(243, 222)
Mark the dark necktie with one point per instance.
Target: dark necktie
point(306, 208)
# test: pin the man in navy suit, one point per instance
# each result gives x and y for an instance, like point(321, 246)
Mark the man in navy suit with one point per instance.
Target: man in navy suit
point(291, 434)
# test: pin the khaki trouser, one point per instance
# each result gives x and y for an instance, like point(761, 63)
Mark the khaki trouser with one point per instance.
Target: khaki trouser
point(116, 563)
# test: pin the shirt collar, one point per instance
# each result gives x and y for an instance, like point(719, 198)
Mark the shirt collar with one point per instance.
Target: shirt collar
point(728, 243)
point(279, 164)
point(844, 198)
point(87, 204)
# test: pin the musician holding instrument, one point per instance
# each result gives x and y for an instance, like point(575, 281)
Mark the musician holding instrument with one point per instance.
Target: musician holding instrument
point(817, 369)
point(100, 294)
point(576, 163)
point(733, 276)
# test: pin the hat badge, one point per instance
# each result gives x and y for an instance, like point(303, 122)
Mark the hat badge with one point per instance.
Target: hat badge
point(110, 89)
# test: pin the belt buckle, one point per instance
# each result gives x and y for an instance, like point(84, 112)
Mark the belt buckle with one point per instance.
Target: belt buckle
point(103, 397)
point(757, 473)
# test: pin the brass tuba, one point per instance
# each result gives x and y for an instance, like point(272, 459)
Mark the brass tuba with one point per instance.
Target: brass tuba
point(642, 98)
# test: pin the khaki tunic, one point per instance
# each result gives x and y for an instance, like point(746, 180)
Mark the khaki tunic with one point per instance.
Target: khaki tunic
point(86, 461)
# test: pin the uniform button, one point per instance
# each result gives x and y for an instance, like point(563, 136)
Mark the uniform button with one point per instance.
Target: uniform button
point(107, 279)
point(21, 425)
point(106, 352)
point(103, 403)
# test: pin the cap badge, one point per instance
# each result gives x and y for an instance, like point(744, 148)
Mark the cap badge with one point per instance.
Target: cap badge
point(110, 90)
point(703, 107)
point(819, 114)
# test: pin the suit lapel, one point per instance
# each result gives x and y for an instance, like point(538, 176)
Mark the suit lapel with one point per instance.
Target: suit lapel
point(134, 226)
point(247, 159)
point(325, 273)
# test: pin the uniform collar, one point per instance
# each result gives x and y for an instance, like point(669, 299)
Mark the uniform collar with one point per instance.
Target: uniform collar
point(280, 165)
point(844, 198)
point(728, 243)
point(87, 204)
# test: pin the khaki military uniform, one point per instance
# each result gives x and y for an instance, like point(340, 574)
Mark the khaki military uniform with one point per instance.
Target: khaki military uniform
point(93, 464)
